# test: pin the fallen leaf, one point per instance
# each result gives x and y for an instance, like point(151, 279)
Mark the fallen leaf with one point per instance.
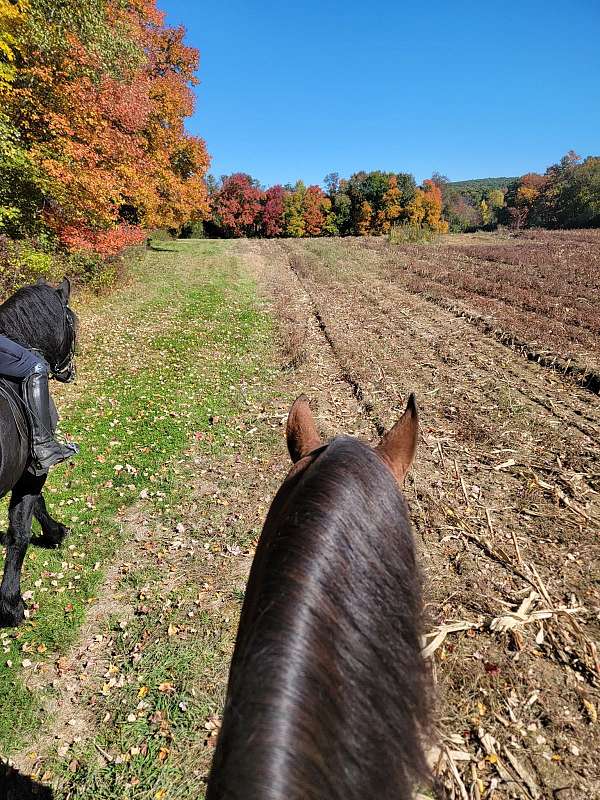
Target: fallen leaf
point(589, 707)
point(163, 753)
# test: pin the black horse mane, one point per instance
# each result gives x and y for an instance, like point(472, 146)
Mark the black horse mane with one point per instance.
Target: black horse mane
point(36, 317)
point(328, 691)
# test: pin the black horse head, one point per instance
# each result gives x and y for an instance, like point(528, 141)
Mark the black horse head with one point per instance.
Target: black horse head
point(38, 317)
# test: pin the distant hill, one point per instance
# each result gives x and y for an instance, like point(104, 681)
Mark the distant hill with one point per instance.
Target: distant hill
point(481, 184)
point(477, 189)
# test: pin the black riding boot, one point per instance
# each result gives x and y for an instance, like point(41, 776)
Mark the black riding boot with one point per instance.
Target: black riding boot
point(46, 450)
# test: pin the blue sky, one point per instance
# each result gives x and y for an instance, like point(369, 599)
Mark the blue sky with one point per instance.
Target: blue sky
point(470, 89)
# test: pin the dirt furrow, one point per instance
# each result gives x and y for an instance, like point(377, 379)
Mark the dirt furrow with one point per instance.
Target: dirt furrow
point(504, 501)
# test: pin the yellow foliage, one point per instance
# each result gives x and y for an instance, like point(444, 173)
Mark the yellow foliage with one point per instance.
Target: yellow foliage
point(12, 15)
point(392, 205)
point(496, 198)
point(527, 195)
point(381, 223)
point(486, 214)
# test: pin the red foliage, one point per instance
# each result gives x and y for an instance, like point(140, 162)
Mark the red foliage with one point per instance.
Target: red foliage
point(105, 243)
point(237, 205)
point(273, 208)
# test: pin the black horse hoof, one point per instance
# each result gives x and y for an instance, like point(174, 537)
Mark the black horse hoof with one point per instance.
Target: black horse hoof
point(12, 616)
point(53, 537)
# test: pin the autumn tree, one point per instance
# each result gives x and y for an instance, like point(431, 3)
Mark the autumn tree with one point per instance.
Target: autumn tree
point(364, 218)
point(97, 109)
point(316, 208)
point(372, 187)
point(486, 213)
point(525, 201)
point(426, 208)
point(236, 206)
point(12, 18)
point(391, 210)
point(495, 198)
point(295, 225)
point(273, 211)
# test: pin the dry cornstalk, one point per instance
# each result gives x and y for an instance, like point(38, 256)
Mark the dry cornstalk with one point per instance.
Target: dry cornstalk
point(517, 550)
point(441, 452)
point(456, 775)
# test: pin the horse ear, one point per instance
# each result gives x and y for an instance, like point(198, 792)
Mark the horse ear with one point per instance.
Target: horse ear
point(302, 435)
point(399, 445)
point(64, 290)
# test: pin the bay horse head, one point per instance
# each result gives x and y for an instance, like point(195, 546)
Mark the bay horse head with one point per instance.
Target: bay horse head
point(328, 693)
point(397, 448)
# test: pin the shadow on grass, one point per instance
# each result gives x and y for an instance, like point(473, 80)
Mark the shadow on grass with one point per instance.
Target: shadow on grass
point(160, 248)
point(15, 786)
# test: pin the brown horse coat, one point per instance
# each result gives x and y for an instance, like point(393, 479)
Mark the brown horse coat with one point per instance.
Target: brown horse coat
point(328, 692)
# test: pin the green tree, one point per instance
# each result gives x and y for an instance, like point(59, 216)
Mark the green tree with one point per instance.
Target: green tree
point(342, 208)
point(495, 198)
point(576, 194)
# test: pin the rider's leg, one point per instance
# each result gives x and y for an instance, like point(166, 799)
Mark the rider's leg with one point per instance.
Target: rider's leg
point(46, 450)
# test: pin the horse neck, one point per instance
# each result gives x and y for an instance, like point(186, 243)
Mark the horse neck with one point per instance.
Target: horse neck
point(327, 659)
point(35, 338)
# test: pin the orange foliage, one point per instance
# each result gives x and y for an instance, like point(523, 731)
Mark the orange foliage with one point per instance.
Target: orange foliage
point(392, 205)
point(316, 206)
point(426, 208)
point(363, 224)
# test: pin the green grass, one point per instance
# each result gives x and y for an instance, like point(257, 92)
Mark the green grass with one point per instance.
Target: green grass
point(151, 726)
point(165, 357)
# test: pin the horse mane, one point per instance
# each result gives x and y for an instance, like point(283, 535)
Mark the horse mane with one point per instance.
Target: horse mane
point(35, 317)
point(328, 691)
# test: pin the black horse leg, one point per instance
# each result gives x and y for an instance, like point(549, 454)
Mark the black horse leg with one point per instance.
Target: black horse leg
point(53, 532)
point(20, 514)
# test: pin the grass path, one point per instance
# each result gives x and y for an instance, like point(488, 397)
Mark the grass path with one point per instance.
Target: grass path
point(171, 365)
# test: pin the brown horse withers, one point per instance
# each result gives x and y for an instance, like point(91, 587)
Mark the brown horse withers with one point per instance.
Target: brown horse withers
point(328, 691)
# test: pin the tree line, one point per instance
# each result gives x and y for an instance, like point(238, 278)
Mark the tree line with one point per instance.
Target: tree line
point(368, 203)
point(373, 203)
point(567, 195)
point(93, 153)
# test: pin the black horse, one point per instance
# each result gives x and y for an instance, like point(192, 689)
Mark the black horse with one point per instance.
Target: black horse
point(37, 317)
